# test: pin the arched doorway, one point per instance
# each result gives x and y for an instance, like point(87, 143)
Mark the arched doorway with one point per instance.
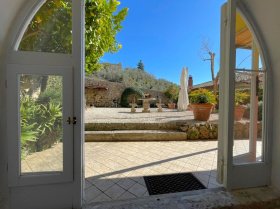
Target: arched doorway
point(26, 68)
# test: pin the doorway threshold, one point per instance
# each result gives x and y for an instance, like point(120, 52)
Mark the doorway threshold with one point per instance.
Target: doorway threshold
point(202, 199)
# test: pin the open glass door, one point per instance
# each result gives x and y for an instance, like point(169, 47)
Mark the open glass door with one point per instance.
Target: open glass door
point(243, 156)
point(45, 100)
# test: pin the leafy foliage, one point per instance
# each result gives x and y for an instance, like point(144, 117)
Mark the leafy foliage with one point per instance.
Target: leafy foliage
point(113, 73)
point(172, 93)
point(130, 93)
point(102, 25)
point(241, 97)
point(51, 29)
point(37, 121)
point(202, 96)
point(131, 77)
point(140, 65)
point(52, 92)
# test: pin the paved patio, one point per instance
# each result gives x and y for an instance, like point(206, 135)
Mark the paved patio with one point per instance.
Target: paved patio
point(115, 170)
point(115, 115)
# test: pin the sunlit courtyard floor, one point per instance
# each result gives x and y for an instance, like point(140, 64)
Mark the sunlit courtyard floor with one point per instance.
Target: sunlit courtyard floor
point(124, 115)
point(115, 170)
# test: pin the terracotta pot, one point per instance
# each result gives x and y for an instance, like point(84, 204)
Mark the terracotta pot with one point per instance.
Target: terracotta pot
point(202, 112)
point(171, 105)
point(239, 112)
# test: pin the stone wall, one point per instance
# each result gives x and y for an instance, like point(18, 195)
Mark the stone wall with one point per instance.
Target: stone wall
point(157, 94)
point(209, 130)
point(101, 93)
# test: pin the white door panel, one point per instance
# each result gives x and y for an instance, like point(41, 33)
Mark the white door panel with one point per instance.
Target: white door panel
point(243, 156)
point(45, 163)
point(39, 171)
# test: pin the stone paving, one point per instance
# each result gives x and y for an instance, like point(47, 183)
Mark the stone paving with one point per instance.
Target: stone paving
point(115, 115)
point(45, 161)
point(115, 170)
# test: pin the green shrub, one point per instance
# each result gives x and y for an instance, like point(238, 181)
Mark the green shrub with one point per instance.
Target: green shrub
point(202, 96)
point(172, 93)
point(38, 121)
point(53, 91)
point(241, 97)
point(128, 94)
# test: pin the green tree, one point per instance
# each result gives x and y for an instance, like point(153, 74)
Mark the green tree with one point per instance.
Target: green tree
point(140, 65)
point(51, 29)
point(102, 25)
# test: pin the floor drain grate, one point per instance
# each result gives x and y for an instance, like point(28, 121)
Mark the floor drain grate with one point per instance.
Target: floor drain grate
point(172, 183)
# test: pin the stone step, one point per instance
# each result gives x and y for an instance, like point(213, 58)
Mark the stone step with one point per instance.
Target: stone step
point(133, 126)
point(134, 135)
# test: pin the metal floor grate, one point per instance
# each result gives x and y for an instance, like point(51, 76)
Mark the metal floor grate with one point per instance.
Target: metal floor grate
point(172, 183)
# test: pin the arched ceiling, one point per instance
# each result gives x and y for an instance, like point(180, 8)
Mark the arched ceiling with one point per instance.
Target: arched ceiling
point(8, 12)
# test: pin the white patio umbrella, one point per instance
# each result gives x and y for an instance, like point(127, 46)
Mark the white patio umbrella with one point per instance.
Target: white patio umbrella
point(183, 100)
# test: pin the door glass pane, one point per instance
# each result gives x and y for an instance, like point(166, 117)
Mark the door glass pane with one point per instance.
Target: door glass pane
point(41, 129)
point(50, 30)
point(248, 116)
point(249, 88)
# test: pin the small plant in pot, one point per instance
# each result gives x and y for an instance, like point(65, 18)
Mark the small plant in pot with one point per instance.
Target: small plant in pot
point(241, 99)
point(202, 102)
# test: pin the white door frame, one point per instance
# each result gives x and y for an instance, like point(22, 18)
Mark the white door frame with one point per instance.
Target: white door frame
point(231, 175)
point(53, 195)
point(13, 124)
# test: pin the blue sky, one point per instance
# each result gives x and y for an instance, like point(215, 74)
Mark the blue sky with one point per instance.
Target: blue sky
point(168, 35)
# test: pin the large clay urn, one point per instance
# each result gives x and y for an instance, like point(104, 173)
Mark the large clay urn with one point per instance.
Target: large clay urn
point(202, 112)
point(239, 112)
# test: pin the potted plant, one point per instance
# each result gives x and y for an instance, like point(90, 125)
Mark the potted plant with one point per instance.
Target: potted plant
point(171, 104)
point(172, 94)
point(202, 102)
point(241, 99)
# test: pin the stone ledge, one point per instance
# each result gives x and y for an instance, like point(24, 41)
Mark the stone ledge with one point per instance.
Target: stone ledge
point(133, 126)
point(134, 135)
point(209, 130)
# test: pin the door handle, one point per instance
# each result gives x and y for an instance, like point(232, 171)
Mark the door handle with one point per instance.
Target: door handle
point(72, 121)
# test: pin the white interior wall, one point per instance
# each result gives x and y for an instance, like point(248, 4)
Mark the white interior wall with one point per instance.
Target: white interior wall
point(8, 11)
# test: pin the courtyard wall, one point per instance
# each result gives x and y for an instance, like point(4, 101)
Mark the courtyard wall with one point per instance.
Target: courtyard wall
point(102, 93)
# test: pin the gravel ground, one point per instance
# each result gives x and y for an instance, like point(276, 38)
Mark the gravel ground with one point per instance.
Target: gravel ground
point(114, 115)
